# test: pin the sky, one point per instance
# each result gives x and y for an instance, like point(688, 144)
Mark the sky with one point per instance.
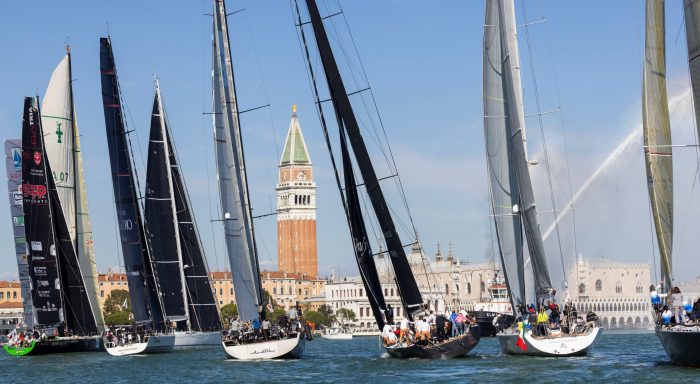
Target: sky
point(423, 61)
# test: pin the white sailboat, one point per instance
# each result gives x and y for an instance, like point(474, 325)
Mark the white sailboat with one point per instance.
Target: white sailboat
point(337, 333)
point(680, 341)
point(512, 198)
point(236, 214)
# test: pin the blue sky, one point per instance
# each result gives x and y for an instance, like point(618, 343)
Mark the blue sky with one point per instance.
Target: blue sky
point(423, 61)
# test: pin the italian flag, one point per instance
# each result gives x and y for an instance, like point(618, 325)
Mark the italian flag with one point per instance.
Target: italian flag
point(521, 342)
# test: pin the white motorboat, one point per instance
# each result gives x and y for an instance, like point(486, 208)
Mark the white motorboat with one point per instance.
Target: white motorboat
point(337, 333)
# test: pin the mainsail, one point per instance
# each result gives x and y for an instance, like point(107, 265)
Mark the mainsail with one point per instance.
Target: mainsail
point(405, 280)
point(63, 151)
point(692, 31)
point(13, 160)
point(232, 179)
point(143, 290)
point(203, 309)
point(657, 134)
point(510, 184)
point(58, 290)
point(161, 220)
point(501, 165)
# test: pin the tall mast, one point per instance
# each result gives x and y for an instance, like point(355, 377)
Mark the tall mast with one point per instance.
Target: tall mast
point(405, 280)
point(232, 177)
point(657, 135)
point(503, 183)
point(515, 129)
point(146, 303)
point(691, 12)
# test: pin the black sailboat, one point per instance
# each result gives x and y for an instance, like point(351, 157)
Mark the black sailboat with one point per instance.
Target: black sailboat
point(188, 297)
point(63, 317)
point(349, 132)
point(146, 304)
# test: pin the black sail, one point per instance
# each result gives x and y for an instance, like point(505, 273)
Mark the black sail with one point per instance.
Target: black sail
point(204, 314)
point(80, 319)
point(159, 213)
point(405, 280)
point(145, 303)
point(360, 240)
point(46, 284)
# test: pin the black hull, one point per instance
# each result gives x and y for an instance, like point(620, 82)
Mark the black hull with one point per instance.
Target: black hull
point(456, 347)
point(485, 321)
point(682, 345)
point(67, 345)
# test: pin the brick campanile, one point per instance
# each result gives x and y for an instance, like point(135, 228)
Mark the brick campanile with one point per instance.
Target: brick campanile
point(296, 206)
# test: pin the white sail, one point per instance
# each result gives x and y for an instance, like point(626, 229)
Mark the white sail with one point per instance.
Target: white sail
point(233, 187)
point(63, 150)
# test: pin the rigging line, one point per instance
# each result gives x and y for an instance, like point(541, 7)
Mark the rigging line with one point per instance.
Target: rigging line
point(205, 35)
point(264, 86)
point(542, 135)
point(566, 150)
point(312, 79)
point(381, 124)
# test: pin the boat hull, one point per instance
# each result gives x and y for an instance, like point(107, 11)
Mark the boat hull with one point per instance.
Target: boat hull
point(682, 344)
point(559, 346)
point(59, 345)
point(193, 339)
point(485, 321)
point(339, 336)
point(456, 347)
point(292, 348)
point(154, 344)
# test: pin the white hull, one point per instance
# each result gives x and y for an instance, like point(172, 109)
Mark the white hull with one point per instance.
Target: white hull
point(560, 345)
point(154, 344)
point(193, 339)
point(366, 333)
point(273, 349)
point(338, 336)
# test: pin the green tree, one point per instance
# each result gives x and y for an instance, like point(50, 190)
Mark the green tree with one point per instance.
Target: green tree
point(328, 314)
point(276, 314)
point(114, 303)
point(119, 318)
point(317, 318)
point(227, 312)
point(345, 314)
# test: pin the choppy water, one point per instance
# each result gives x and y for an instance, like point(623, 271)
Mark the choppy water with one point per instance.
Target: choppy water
point(617, 358)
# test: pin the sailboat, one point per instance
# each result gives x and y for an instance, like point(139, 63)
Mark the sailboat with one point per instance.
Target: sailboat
point(681, 342)
point(349, 132)
point(237, 218)
point(188, 296)
point(512, 197)
point(146, 334)
point(63, 320)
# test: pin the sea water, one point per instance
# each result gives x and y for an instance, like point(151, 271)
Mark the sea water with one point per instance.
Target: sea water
point(616, 358)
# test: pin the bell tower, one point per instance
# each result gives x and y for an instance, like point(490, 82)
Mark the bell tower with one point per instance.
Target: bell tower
point(296, 206)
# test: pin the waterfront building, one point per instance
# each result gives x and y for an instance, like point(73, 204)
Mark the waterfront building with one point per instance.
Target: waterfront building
point(296, 206)
point(110, 281)
point(286, 289)
point(617, 292)
point(10, 292)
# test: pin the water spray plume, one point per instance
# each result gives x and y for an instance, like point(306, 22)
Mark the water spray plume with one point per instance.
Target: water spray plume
point(632, 141)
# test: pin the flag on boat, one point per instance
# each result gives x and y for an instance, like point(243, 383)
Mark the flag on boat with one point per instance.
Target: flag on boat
point(269, 305)
point(521, 342)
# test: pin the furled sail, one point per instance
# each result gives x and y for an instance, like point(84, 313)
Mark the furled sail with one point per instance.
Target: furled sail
point(63, 151)
point(657, 134)
point(145, 301)
point(161, 220)
point(501, 164)
point(405, 280)
point(13, 159)
point(515, 131)
point(232, 178)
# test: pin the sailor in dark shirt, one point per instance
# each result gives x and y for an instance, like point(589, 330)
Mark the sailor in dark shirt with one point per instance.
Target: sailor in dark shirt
point(440, 326)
